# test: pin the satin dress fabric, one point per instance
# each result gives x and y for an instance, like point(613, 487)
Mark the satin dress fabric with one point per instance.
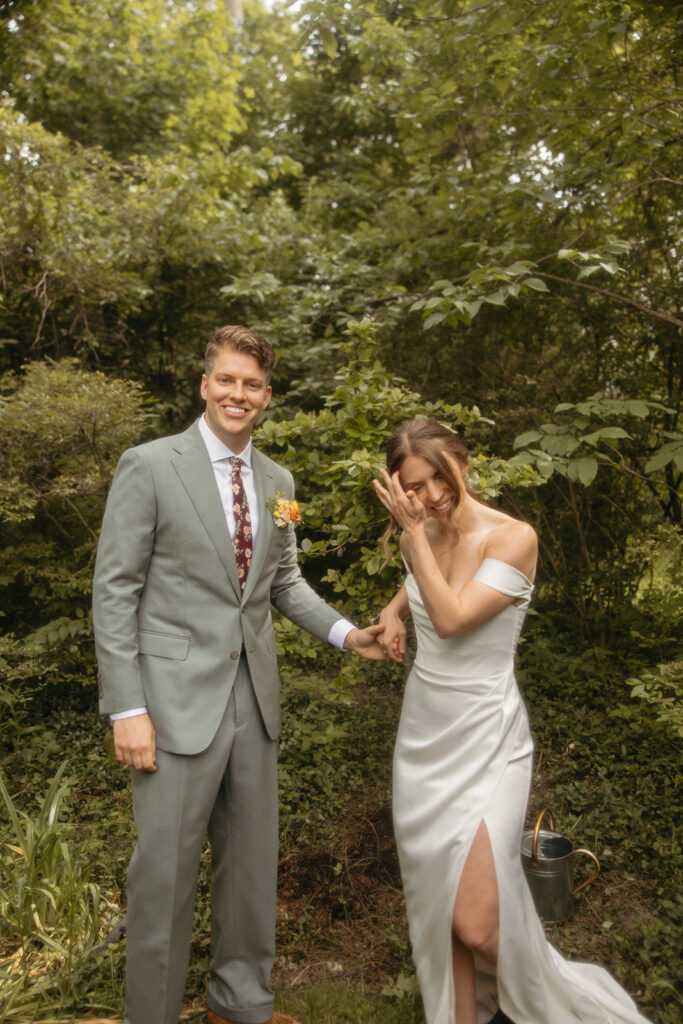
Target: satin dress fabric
point(463, 755)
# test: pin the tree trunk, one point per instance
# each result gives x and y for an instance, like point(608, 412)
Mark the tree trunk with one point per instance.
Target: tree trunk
point(234, 9)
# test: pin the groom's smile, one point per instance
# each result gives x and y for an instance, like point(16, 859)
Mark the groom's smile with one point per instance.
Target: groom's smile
point(236, 392)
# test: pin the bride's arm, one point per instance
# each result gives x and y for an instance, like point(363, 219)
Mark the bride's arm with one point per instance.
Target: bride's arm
point(476, 602)
point(393, 640)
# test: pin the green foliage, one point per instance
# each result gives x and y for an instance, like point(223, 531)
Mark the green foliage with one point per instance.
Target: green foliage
point(52, 913)
point(129, 78)
point(473, 177)
point(121, 264)
point(608, 773)
point(318, 771)
point(663, 689)
point(21, 664)
point(340, 1002)
point(577, 448)
point(62, 430)
point(660, 594)
point(509, 218)
point(597, 458)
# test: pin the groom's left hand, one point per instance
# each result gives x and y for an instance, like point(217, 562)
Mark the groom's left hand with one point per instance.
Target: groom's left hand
point(365, 643)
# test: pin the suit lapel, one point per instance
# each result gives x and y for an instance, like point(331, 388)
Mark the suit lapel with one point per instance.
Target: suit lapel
point(264, 482)
point(193, 466)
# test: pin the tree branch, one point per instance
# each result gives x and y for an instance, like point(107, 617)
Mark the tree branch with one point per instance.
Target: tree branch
point(612, 295)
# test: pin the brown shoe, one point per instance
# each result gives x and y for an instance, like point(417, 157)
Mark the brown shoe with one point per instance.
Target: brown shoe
point(277, 1018)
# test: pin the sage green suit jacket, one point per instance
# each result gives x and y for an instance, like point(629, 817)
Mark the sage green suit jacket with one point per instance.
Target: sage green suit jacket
point(169, 619)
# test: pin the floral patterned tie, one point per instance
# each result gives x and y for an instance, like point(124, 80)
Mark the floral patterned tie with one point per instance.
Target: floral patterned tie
point(242, 544)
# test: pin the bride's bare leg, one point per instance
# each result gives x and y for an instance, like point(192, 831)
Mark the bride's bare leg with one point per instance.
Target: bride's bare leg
point(475, 923)
point(463, 980)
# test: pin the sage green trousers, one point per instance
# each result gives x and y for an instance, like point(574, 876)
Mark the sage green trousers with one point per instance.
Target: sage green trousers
point(230, 791)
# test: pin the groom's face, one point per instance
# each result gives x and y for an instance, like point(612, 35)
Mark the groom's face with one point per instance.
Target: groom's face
point(236, 392)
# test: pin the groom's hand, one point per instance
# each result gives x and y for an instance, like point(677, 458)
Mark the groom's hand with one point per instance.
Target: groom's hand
point(365, 642)
point(135, 742)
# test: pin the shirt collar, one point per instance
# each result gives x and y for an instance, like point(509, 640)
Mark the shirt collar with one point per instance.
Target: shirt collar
point(217, 449)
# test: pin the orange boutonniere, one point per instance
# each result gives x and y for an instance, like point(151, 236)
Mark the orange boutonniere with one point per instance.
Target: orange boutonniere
point(284, 511)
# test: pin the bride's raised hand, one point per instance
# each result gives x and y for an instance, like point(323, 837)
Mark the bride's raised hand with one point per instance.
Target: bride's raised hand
point(404, 506)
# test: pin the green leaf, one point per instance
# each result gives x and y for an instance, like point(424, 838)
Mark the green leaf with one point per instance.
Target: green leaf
point(329, 42)
point(587, 469)
point(522, 440)
point(432, 320)
point(611, 433)
point(659, 461)
point(536, 283)
point(556, 444)
point(639, 409)
point(520, 267)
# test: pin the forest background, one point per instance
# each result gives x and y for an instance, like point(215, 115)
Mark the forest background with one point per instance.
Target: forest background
point(464, 209)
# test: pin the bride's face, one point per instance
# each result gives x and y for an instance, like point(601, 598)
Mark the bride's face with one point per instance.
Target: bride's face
point(425, 480)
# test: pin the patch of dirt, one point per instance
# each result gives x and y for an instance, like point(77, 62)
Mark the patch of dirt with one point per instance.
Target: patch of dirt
point(340, 909)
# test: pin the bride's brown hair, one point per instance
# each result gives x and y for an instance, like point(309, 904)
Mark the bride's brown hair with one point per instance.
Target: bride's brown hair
point(433, 442)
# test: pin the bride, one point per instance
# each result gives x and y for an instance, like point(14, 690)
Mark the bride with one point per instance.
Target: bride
point(463, 757)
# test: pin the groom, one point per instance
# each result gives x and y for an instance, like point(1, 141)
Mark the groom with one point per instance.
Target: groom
point(190, 559)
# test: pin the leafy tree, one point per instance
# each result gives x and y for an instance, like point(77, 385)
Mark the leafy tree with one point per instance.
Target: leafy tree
point(129, 202)
point(131, 78)
point(62, 431)
point(616, 445)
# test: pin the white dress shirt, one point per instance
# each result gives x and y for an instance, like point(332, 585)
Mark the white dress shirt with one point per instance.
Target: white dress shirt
point(220, 455)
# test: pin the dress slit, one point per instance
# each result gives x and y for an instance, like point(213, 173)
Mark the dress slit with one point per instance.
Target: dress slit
point(484, 969)
point(486, 852)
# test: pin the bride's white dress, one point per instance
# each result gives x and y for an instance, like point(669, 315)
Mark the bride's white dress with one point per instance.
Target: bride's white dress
point(463, 755)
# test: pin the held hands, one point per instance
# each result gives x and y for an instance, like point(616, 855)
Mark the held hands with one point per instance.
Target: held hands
point(135, 742)
point(384, 642)
point(393, 639)
point(366, 643)
point(404, 506)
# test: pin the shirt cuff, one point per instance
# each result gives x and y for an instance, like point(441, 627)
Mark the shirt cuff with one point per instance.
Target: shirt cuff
point(127, 714)
point(339, 633)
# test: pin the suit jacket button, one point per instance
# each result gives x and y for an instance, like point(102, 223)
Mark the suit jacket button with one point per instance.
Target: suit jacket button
point(234, 655)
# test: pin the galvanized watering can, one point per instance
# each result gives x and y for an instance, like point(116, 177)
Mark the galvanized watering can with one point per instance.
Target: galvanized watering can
point(548, 862)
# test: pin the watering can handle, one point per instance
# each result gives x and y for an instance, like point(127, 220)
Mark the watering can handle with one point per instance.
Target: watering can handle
point(537, 829)
point(592, 878)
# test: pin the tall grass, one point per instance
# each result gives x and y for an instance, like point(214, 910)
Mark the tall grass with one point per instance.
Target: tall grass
point(52, 917)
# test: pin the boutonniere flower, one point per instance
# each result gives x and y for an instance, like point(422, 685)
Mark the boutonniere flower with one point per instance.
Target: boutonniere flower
point(284, 511)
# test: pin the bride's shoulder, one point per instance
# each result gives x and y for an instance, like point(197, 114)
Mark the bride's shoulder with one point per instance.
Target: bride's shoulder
point(517, 528)
point(513, 541)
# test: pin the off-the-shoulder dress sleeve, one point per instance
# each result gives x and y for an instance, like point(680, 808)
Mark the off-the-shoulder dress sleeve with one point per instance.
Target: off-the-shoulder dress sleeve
point(505, 578)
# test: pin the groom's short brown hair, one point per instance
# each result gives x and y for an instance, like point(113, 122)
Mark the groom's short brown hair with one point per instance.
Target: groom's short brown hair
point(240, 339)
